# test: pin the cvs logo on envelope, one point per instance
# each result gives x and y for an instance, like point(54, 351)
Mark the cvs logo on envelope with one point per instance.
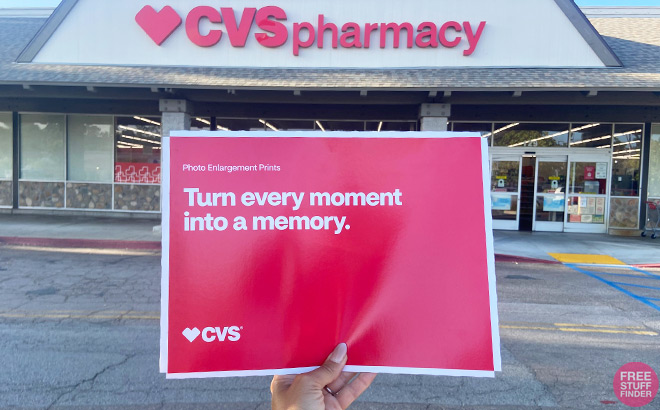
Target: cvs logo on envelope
point(211, 334)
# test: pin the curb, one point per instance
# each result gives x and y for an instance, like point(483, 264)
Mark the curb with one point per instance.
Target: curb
point(81, 243)
point(522, 259)
point(156, 246)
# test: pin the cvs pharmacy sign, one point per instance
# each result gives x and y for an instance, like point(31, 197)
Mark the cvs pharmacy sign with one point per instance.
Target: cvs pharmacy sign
point(271, 27)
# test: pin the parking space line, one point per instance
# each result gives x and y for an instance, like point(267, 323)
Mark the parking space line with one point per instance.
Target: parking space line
point(628, 332)
point(636, 286)
point(80, 315)
point(603, 265)
point(581, 328)
point(618, 286)
point(651, 274)
point(598, 326)
point(629, 275)
point(527, 327)
point(134, 315)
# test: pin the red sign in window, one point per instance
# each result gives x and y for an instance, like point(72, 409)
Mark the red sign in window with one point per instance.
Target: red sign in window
point(589, 173)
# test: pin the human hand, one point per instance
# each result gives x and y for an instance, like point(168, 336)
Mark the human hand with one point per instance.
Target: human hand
point(326, 388)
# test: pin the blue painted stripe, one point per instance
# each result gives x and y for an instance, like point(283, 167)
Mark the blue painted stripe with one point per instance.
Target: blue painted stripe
point(651, 274)
point(655, 299)
point(615, 286)
point(636, 286)
point(627, 275)
point(600, 265)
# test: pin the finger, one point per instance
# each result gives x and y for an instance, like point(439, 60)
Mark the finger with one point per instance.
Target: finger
point(331, 368)
point(341, 381)
point(281, 382)
point(354, 389)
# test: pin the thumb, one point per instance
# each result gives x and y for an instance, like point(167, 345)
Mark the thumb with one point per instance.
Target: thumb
point(331, 368)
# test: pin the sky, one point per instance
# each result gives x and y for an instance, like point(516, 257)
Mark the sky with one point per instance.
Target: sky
point(52, 3)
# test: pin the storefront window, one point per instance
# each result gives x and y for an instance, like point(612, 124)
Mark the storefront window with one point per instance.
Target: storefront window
point(6, 151)
point(138, 142)
point(531, 135)
point(485, 129)
point(626, 148)
point(42, 147)
point(586, 209)
point(90, 148)
point(200, 124)
point(329, 125)
point(390, 126)
point(591, 135)
point(551, 177)
point(551, 190)
point(654, 163)
point(504, 189)
point(588, 178)
point(504, 176)
point(277, 125)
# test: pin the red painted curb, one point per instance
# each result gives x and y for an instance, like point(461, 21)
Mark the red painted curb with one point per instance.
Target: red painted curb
point(156, 246)
point(81, 243)
point(522, 259)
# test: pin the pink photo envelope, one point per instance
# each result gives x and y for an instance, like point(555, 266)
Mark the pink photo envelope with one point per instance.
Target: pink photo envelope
point(279, 246)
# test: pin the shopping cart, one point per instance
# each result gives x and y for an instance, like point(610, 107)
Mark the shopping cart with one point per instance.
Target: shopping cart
point(652, 218)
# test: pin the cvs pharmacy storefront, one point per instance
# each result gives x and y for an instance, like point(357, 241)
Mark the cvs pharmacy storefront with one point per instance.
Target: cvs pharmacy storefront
point(567, 102)
point(571, 177)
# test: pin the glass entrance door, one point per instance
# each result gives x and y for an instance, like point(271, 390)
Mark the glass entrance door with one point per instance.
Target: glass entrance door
point(587, 206)
point(505, 191)
point(550, 203)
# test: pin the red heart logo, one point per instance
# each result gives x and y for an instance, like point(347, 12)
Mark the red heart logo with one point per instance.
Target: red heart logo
point(158, 24)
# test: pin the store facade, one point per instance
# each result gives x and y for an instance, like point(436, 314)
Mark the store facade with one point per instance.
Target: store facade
point(566, 177)
point(569, 104)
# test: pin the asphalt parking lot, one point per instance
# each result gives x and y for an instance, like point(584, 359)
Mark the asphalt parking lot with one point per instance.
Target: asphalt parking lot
point(79, 329)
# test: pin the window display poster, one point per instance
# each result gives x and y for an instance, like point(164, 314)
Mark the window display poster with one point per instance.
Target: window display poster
point(586, 218)
point(591, 206)
point(500, 202)
point(601, 170)
point(600, 206)
point(553, 204)
point(279, 246)
point(589, 172)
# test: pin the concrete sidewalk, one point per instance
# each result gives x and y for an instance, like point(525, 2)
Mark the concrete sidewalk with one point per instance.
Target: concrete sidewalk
point(631, 250)
point(87, 232)
point(83, 232)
